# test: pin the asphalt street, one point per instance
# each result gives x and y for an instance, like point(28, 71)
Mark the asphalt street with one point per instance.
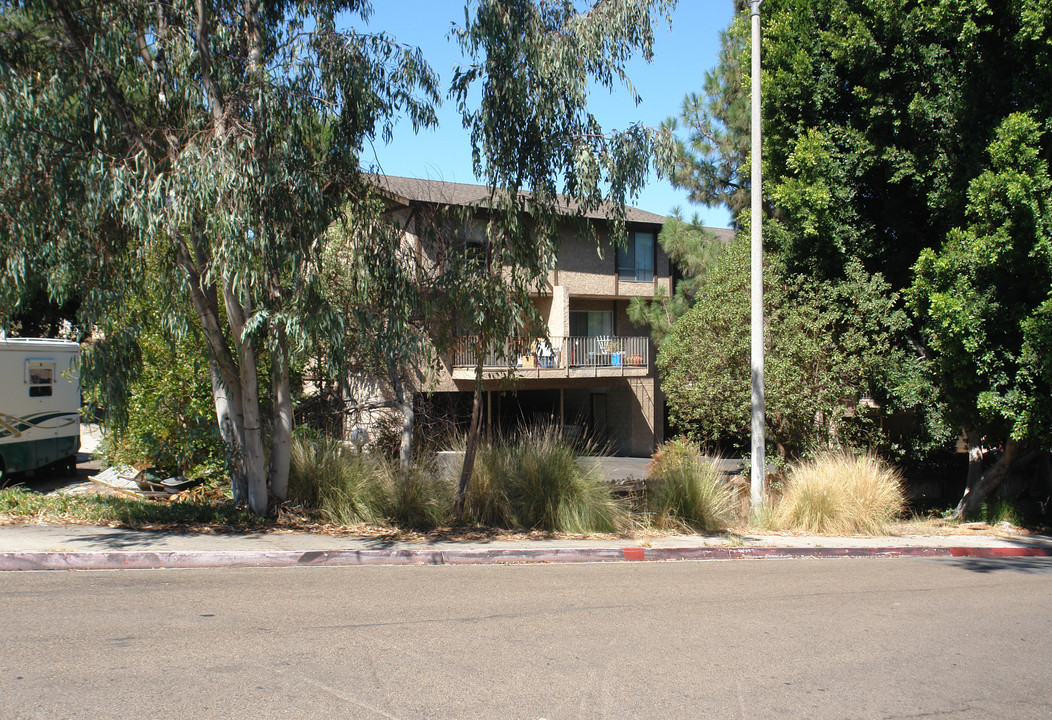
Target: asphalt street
point(851, 638)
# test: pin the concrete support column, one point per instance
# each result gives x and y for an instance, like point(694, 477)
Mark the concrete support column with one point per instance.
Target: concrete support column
point(559, 318)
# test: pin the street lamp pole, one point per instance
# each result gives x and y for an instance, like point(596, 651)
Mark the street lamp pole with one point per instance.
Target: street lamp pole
point(759, 442)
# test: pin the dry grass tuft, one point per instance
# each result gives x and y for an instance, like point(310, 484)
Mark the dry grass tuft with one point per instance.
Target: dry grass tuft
point(840, 494)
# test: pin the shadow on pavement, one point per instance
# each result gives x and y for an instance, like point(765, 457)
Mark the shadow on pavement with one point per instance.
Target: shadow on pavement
point(986, 566)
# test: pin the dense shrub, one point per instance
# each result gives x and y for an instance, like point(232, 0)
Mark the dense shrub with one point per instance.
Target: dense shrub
point(166, 419)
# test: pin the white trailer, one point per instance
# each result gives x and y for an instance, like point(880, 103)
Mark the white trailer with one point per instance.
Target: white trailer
point(39, 404)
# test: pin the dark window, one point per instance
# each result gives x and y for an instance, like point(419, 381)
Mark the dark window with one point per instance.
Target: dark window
point(592, 323)
point(635, 261)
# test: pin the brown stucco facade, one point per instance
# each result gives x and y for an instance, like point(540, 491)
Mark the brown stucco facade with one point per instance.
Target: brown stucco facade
point(594, 374)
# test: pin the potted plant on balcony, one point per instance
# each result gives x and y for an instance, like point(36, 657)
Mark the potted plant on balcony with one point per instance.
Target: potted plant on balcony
point(617, 353)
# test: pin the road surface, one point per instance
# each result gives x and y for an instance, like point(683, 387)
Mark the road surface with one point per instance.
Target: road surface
point(746, 639)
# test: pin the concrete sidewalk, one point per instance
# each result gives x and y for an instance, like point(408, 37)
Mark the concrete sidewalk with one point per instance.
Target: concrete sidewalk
point(53, 547)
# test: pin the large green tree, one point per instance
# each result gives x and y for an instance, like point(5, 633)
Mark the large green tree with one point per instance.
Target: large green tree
point(831, 348)
point(885, 126)
point(220, 136)
point(884, 122)
point(985, 300)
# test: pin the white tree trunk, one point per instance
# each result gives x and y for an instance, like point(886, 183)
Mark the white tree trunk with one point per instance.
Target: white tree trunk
point(405, 455)
point(281, 437)
point(230, 422)
point(251, 431)
point(223, 368)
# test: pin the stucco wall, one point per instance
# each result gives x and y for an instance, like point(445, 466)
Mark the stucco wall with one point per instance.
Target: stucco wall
point(590, 269)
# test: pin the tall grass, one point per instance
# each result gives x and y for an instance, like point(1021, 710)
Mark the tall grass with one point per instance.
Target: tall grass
point(549, 489)
point(688, 490)
point(1000, 510)
point(343, 486)
point(421, 500)
point(487, 502)
point(840, 494)
point(533, 480)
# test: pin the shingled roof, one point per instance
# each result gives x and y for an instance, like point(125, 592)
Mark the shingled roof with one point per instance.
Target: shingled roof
point(417, 190)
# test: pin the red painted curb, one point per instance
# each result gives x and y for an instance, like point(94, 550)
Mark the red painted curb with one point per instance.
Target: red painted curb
point(1001, 552)
point(138, 559)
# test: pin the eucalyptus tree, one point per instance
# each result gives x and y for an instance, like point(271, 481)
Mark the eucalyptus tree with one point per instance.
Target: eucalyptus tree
point(542, 153)
point(384, 292)
point(221, 136)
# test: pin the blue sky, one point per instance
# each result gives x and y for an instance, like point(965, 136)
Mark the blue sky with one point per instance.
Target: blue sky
point(682, 54)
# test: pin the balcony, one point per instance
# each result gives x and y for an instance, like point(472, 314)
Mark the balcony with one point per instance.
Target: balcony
point(559, 357)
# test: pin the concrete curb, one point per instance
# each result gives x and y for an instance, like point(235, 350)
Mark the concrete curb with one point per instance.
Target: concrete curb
point(174, 559)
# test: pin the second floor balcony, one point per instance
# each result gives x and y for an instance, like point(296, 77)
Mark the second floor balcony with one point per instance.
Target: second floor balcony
point(604, 356)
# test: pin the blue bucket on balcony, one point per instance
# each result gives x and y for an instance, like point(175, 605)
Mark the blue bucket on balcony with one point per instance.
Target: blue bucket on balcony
point(616, 359)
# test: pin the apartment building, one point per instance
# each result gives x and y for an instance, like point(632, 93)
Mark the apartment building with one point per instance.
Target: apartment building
point(594, 373)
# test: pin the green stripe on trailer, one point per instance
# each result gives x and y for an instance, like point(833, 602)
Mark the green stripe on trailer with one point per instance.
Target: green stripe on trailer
point(33, 454)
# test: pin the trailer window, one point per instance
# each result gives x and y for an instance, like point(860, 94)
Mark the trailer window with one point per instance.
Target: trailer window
point(40, 375)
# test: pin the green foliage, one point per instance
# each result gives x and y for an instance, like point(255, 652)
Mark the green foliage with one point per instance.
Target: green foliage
point(167, 420)
point(827, 345)
point(840, 494)
point(343, 486)
point(693, 249)
point(535, 481)
point(986, 296)
point(689, 490)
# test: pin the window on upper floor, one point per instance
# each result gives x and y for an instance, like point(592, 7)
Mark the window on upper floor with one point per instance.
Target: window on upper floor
point(591, 323)
point(635, 261)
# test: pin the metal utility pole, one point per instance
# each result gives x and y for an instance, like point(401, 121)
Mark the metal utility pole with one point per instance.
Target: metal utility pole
point(759, 440)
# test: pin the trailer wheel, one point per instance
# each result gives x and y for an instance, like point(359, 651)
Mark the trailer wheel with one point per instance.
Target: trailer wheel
point(71, 467)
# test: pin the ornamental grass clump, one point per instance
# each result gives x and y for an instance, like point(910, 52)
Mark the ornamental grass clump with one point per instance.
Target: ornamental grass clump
point(688, 490)
point(548, 489)
point(343, 486)
point(421, 499)
point(840, 494)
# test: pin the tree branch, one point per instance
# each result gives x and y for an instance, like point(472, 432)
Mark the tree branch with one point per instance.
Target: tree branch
point(201, 37)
